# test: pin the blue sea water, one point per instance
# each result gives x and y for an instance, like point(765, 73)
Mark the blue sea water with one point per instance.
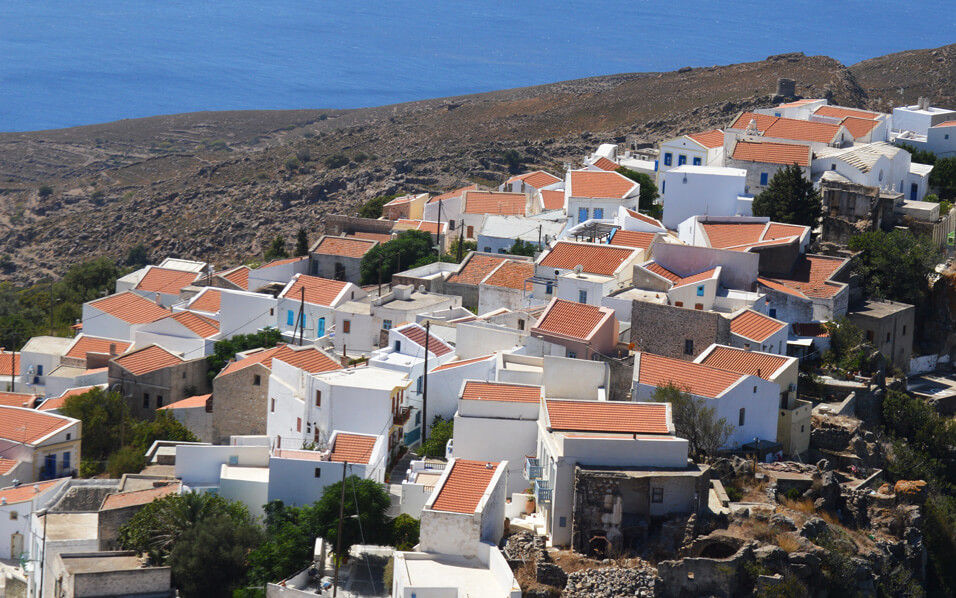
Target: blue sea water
point(71, 62)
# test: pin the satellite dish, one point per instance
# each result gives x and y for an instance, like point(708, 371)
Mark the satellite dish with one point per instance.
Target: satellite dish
point(578, 269)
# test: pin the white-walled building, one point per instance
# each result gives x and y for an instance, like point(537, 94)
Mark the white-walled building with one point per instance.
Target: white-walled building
point(598, 195)
point(40, 356)
point(531, 182)
point(632, 220)
point(446, 381)
point(498, 233)
point(764, 159)
point(47, 444)
point(698, 149)
point(307, 305)
point(120, 316)
point(184, 332)
point(603, 269)
point(17, 505)
point(164, 285)
point(238, 312)
point(687, 191)
point(477, 204)
point(446, 207)
point(754, 331)
point(875, 165)
point(277, 272)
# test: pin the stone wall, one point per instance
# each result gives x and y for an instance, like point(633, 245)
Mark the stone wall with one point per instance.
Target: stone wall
point(663, 329)
point(173, 383)
point(336, 224)
point(239, 405)
point(622, 376)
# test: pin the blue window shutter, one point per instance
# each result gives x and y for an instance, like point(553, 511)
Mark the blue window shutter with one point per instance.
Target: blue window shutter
point(697, 162)
point(290, 318)
point(667, 159)
point(582, 215)
point(763, 178)
point(681, 160)
point(599, 213)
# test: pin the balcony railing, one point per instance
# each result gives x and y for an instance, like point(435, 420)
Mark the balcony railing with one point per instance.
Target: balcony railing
point(542, 491)
point(401, 418)
point(532, 469)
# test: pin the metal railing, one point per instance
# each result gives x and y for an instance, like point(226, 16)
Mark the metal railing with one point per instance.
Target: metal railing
point(532, 469)
point(542, 491)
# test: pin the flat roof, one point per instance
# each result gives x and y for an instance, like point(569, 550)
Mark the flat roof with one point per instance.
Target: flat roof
point(879, 309)
point(470, 576)
point(100, 562)
point(72, 526)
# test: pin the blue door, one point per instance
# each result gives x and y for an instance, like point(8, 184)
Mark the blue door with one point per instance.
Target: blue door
point(66, 463)
point(320, 328)
point(49, 467)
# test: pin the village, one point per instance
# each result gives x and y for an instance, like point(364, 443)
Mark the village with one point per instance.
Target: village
point(545, 350)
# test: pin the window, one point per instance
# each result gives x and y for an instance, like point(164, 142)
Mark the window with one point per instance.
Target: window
point(582, 215)
point(398, 346)
point(13, 515)
point(699, 306)
point(289, 318)
point(681, 160)
point(598, 213)
point(471, 232)
point(755, 389)
point(451, 225)
point(549, 288)
point(257, 380)
point(318, 472)
point(679, 303)
point(833, 167)
point(418, 385)
point(159, 401)
point(697, 162)
point(572, 355)
point(272, 311)
point(904, 329)
point(69, 435)
point(742, 417)
point(777, 114)
point(946, 136)
point(869, 335)
point(773, 313)
point(233, 459)
point(418, 418)
point(668, 159)
point(145, 400)
point(887, 337)
point(272, 408)
point(801, 429)
point(66, 462)
point(298, 424)
point(763, 178)
point(688, 346)
point(657, 495)
point(520, 324)
point(318, 398)
point(700, 290)
point(562, 522)
point(582, 296)
point(663, 186)
point(346, 326)
point(386, 324)
point(39, 370)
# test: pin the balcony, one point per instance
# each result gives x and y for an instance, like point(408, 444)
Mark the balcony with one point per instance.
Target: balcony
point(532, 469)
point(401, 418)
point(542, 491)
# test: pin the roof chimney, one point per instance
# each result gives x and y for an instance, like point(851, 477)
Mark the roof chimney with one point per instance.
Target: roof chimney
point(159, 299)
point(112, 349)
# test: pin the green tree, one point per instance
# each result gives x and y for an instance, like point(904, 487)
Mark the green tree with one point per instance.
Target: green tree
point(128, 459)
point(301, 243)
point(847, 349)
point(464, 247)
point(365, 504)
point(163, 427)
point(894, 265)
point(210, 558)
point(102, 415)
point(695, 421)
point(441, 432)
point(790, 198)
point(45, 191)
point(373, 207)
point(290, 536)
point(225, 350)
point(943, 178)
point(525, 248)
point(277, 249)
point(137, 256)
point(648, 194)
point(405, 532)
point(336, 160)
point(512, 160)
point(401, 253)
point(919, 156)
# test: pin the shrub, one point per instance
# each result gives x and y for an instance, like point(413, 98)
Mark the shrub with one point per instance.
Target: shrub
point(336, 160)
point(45, 191)
point(128, 459)
point(292, 164)
point(733, 493)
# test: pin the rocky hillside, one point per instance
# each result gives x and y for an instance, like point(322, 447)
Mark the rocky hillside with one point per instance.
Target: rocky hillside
point(218, 186)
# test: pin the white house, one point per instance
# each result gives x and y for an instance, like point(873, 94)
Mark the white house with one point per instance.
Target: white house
point(508, 286)
point(498, 233)
point(40, 356)
point(763, 159)
point(697, 289)
point(476, 204)
point(277, 272)
point(238, 312)
point(920, 117)
point(120, 316)
point(603, 269)
point(797, 109)
point(699, 149)
point(875, 165)
point(307, 305)
point(17, 505)
point(755, 331)
point(631, 220)
point(598, 195)
point(531, 182)
point(446, 207)
point(184, 332)
point(446, 380)
point(709, 190)
point(47, 444)
point(164, 284)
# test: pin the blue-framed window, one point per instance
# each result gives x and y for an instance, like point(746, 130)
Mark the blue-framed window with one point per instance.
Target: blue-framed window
point(763, 178)
point(681, 160)
point(582, 296)
point(700, 290)
point(697, 162)
point(549, 288)
point(668, 159)
point(582, 215)
point(598, 213)
point(290, 318)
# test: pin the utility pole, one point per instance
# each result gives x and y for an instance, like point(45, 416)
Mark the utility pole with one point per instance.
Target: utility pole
point(461, 241)
point(428, 336)
point(539, 236)
point(438, 232)
point(338, 535)
point(51, 306)
point(13, 364)
point(301, 322)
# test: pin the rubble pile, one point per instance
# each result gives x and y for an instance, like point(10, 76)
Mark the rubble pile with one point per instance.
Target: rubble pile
point(608, 582)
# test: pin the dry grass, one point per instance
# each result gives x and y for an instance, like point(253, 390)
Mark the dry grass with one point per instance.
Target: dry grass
point(787, 542)
point(801, 505)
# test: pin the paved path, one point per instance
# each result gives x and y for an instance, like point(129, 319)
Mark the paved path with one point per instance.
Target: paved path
point(397, 475)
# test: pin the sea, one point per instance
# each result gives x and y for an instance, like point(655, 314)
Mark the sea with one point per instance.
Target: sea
point(74, 62)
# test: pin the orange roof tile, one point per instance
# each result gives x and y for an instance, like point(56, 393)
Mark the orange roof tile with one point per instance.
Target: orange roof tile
point(616, 417)
point(739, 361)
point(859, 127)
point(57, 402)
point(131, 308)
point(537, 179)
point(595, 259)
point(318, 291)
point(6, 465)
point(380, 237)
point(802, 130)
point(841, 112)
point(497, 391)
point(768, 152)
point(238, 276)
point(309, 359)
point(464, 486)
point(28, 425)
point(709, 139)
point(26, 492)
point(9, 363)
point(300, 454)
point(948, 123)
point(552, 200)
point(402, 199)
point(188, 402)
point(645, 218)
point(810, 277)
point(452, 194)
point(200, 325)
point(722, 236)
point(17, 399)
point(630, 238)
point(776, 230)
point(283, 262)
point(570, 319)
point(139, 497)
point(146, 360)
point(454, 364)
point(605, 164)
point(755, 326)
point(677, 279)
point(208, 301)
point(165, 280)
point(354, 448)
point(430, 226)
point(476, 269)
point(763, 121)
point(91, 344)
point(416, 334)
point(700, 380)
point(495, 202)
point(344, 246)
point(591, 183)
point(512, 275)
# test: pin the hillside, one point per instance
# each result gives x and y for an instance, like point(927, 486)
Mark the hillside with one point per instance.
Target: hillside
point(218, 186)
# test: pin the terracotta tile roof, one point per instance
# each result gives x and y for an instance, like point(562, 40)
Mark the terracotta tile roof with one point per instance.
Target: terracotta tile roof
point(607, 416)
point(605, 164)
point(452, 194)
point(166, 281)
point(300, 454)
point(344, 246)
point(6, 465)
point(495, 202)
point(139, 497)
point(354, 448)
point(9, 363)
point(282, 262)
point(743, 121)
point(131, 308)
point(208, 301)
point(28, 425)
point(948, 123)
point(630, 238)
point(416, 334)
point(552, 200)
point(739, 361)
point(810, 329)
point(318, 291)
point(797, 103)
point(776, 230)
point(742, 236)
point(677, 279)
point(700, 380)
point(146, 360)
point(496, 391)
point(512, 275)
point(199, 325)
point(57, 402)
point(26, 492)
point(591, 183)
point(769, 152)
point(464, 486)
point(859, 127)
point(402, 199)
point(802, 130)
point(595, 259)
point(645, 218)
point(454, 364)
point(17, 399)
point(755, 326)
point(430, 226)
point(571, 319)
point(537, 179)
point(310, 359)
point(476, 269)
point(380, 237)
point(810, 277)
point(238, 276)
point(188, 402)
point(710, 139)
point(841, 112)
